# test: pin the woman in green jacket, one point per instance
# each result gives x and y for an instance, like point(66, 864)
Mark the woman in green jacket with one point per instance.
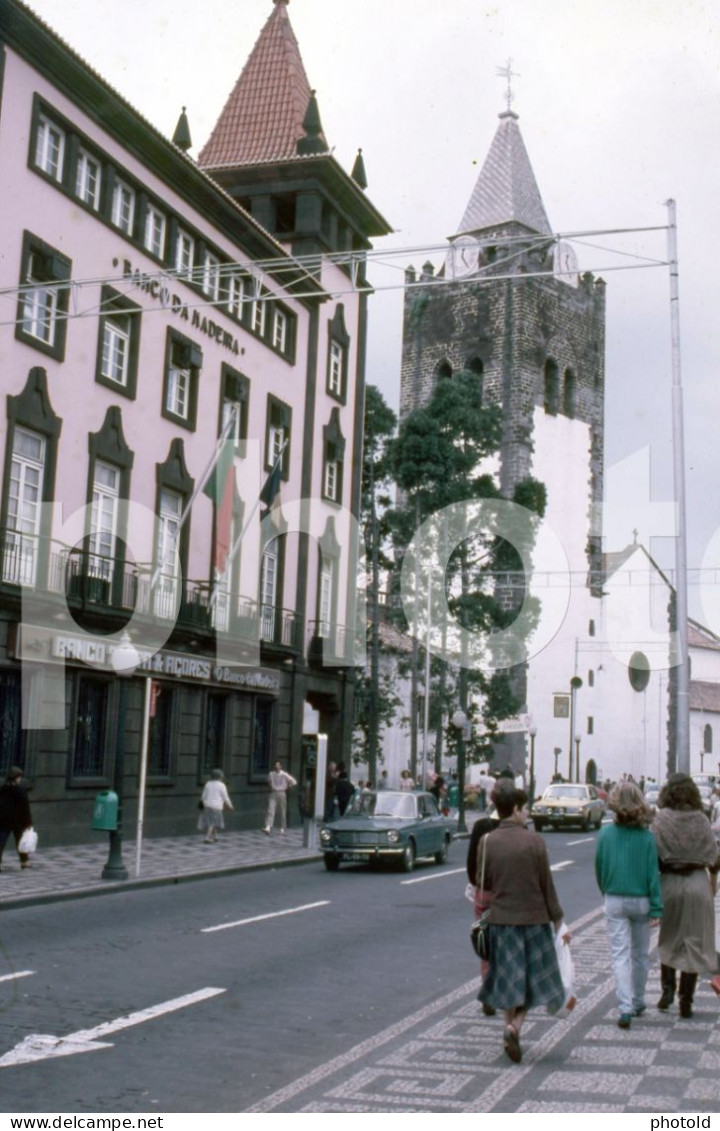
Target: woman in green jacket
point(627, 872)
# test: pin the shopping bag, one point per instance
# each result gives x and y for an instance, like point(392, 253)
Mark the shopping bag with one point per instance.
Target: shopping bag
point(28, 842)
point(567, 973)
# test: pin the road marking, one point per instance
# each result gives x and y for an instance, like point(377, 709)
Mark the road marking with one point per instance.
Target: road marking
point(560, 864)
point(18, 974)
point(585, 840)
point(42, 1046)
point(435, 876)
point(260, 918)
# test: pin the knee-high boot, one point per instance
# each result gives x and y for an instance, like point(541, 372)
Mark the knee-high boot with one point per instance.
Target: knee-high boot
point(687, 991)
point(667, 981)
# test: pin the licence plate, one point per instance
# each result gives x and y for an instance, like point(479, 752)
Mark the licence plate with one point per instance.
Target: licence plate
point(356, 855)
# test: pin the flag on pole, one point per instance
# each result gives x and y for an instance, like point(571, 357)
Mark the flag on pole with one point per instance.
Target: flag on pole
point(220, 488)
point(272, 483)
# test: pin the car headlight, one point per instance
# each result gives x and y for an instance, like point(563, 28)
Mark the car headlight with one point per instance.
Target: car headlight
point(393, 836)
point(325, 836)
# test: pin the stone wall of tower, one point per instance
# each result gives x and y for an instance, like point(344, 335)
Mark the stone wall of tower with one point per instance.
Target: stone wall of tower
point(512, 326)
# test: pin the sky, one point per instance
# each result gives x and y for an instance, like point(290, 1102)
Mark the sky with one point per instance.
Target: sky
point(618, 104)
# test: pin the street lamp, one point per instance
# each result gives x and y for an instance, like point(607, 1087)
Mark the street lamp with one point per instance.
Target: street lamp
point(461, 723)
point(124, 661)
point(577, 757)
point(533, 733)
point(575, 684)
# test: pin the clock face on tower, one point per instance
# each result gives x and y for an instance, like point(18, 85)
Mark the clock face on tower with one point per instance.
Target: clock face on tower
point(566, 264)
point(462, 258)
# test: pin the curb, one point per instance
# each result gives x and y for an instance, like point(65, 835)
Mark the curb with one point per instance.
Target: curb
point(120, 886)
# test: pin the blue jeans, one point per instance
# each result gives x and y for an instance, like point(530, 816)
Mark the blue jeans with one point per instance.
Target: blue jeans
point(628, 926)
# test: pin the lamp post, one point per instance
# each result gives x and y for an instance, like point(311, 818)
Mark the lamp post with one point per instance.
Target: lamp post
point(577, 757)
point(556, 754)
point(575, 684)
point(531, 793)
point(124, 661)
point(460, 722)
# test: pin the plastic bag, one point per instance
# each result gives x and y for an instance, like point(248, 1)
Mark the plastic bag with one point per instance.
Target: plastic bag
point(567, 973)
point(28, 842)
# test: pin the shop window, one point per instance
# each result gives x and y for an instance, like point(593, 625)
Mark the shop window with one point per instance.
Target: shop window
point(262, 738)
point(89, 717)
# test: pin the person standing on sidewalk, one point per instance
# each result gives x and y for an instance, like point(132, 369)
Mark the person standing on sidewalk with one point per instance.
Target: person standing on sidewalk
point(627, 874)
point(214, 799)
point(689, 861)
point(14, 812)
point(280, 782)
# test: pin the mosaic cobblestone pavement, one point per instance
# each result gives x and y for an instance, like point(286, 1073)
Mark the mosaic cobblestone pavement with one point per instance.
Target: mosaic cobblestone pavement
point(448, 1057)
point(56, 872)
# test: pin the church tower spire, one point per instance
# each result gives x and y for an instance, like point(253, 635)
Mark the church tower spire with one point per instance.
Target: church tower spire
point(506, 191)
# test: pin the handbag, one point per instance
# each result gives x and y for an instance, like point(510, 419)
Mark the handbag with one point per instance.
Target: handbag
point(28, 842)
point(480, 930)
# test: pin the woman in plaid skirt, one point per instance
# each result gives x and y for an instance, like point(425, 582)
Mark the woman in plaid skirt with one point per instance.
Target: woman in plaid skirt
point(523, 970)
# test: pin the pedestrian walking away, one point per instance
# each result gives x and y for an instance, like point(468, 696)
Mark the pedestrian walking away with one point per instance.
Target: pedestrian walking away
point(479, 895)
point(688, 854)
point(214, 799)
point(14, 812)
point(280, 781)
point(627, 874)
point(523, 968)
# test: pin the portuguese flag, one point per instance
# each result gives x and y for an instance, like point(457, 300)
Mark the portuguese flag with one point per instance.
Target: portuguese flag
point(220, 488)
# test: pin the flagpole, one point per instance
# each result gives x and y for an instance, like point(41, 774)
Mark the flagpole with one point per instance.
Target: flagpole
point(236, 544)
point(230, 424)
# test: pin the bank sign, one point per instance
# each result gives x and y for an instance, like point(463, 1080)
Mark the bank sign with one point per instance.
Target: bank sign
point(42, 645)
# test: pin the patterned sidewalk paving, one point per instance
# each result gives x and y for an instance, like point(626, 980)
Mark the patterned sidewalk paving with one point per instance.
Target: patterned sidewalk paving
point(68, 872)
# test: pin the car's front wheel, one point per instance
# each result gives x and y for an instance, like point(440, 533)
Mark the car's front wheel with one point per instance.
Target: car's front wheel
point(598, 823)
point(442, 853)
point(408, 857)
point(332, 863)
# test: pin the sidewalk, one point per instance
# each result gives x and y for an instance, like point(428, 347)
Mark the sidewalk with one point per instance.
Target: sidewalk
point(76, 870)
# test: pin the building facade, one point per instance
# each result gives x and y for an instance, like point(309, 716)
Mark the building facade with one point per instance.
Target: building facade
point(180, 430)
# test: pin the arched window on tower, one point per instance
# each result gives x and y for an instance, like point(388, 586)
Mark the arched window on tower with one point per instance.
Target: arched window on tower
point(551, 387)
point(443, 370)
point(569, 393)
point(475, 366)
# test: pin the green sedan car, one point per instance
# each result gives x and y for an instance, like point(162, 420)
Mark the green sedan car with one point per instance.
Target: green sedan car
point(388, 825)
point(568, 803)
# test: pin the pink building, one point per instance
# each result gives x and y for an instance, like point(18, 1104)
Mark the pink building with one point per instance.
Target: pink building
point(153, 304)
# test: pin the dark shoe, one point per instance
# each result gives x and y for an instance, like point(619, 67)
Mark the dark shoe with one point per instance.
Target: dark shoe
point(511, 1044)
point(488, 1010)
point(639, 1010)
point(667, 981)
point(686, 994)
point(624, 1021)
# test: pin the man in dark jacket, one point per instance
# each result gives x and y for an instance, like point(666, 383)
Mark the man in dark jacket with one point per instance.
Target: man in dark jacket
point(14, 812)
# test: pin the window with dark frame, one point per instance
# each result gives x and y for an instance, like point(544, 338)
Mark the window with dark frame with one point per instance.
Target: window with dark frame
point(12, 735)
point(338, 353)
point(213, 741)
point(278, 430)
point(118, 343)
point(183, 362)
point(44, 297)
point(160, 736)
point(90, 718)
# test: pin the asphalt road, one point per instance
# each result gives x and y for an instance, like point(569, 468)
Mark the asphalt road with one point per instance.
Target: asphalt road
point(259, 980)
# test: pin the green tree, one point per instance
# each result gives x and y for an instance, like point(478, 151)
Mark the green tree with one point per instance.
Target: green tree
point(375, 700)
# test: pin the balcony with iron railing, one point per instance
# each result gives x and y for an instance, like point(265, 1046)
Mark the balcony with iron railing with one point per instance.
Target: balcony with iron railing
point(98, 584)
point(330, 645)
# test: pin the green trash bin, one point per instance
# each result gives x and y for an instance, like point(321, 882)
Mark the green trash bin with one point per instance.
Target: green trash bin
point(105, 813)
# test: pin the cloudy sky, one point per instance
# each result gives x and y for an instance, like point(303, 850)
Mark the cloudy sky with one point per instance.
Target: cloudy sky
point(619, 108)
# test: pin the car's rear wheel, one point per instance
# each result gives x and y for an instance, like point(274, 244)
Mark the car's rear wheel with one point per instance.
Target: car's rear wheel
point(332, 863)
point(442, 853)
point(408, 857)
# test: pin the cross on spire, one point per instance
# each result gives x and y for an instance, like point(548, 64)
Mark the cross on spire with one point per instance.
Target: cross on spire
point(509, 74)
